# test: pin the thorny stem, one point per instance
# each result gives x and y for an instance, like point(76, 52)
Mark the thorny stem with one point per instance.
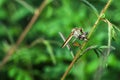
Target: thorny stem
point(24, 33)
point(84, 44)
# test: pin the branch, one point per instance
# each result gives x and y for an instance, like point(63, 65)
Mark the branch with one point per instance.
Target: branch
point(84, 44)
point(68, 46)
point(24, 33)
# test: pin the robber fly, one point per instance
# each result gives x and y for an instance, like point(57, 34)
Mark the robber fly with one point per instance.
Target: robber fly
point(78, 34)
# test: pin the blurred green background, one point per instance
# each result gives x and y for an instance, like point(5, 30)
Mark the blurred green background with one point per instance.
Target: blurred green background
point(40, 56)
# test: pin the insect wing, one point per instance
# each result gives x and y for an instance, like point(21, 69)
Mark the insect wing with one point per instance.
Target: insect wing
point(67, 40)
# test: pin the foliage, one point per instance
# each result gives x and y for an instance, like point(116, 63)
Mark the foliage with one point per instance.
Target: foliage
point(40, 56)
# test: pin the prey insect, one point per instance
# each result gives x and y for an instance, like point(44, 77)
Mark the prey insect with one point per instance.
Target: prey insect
point(78, 33)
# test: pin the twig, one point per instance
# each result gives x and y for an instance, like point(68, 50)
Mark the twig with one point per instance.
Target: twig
point(68, 46)
point(26, 5)
point(24, 33)
point(41, 40)
point(104, 58)
point(84, 44)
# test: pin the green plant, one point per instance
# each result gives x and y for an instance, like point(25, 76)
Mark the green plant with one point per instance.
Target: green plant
point(111, 33)
point(35, 51)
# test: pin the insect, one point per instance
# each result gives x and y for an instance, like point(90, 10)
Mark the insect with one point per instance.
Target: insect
point(78, 33)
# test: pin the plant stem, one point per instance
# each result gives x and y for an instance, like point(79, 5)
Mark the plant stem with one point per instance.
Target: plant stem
point(84, 44)
point(26, 5)
point(24, 33)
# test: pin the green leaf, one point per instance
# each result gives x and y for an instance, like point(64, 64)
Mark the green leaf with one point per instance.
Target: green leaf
point(49, 1)
point(50, 51)
point(114, 34)
point(113, 62)
point(105, 47)
point(27, 77)
point(26, 5)
point(115, 27)
point(20, 75)
point(49, 12)
point(12, 72)
point(2, 2)
point(109, 36)
point(91, 6)
point(41, 58)
point(5, 46)
point(92, 66)
point(19, 14)
point(98, 52)
point(2, 30)
point(3, 14)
